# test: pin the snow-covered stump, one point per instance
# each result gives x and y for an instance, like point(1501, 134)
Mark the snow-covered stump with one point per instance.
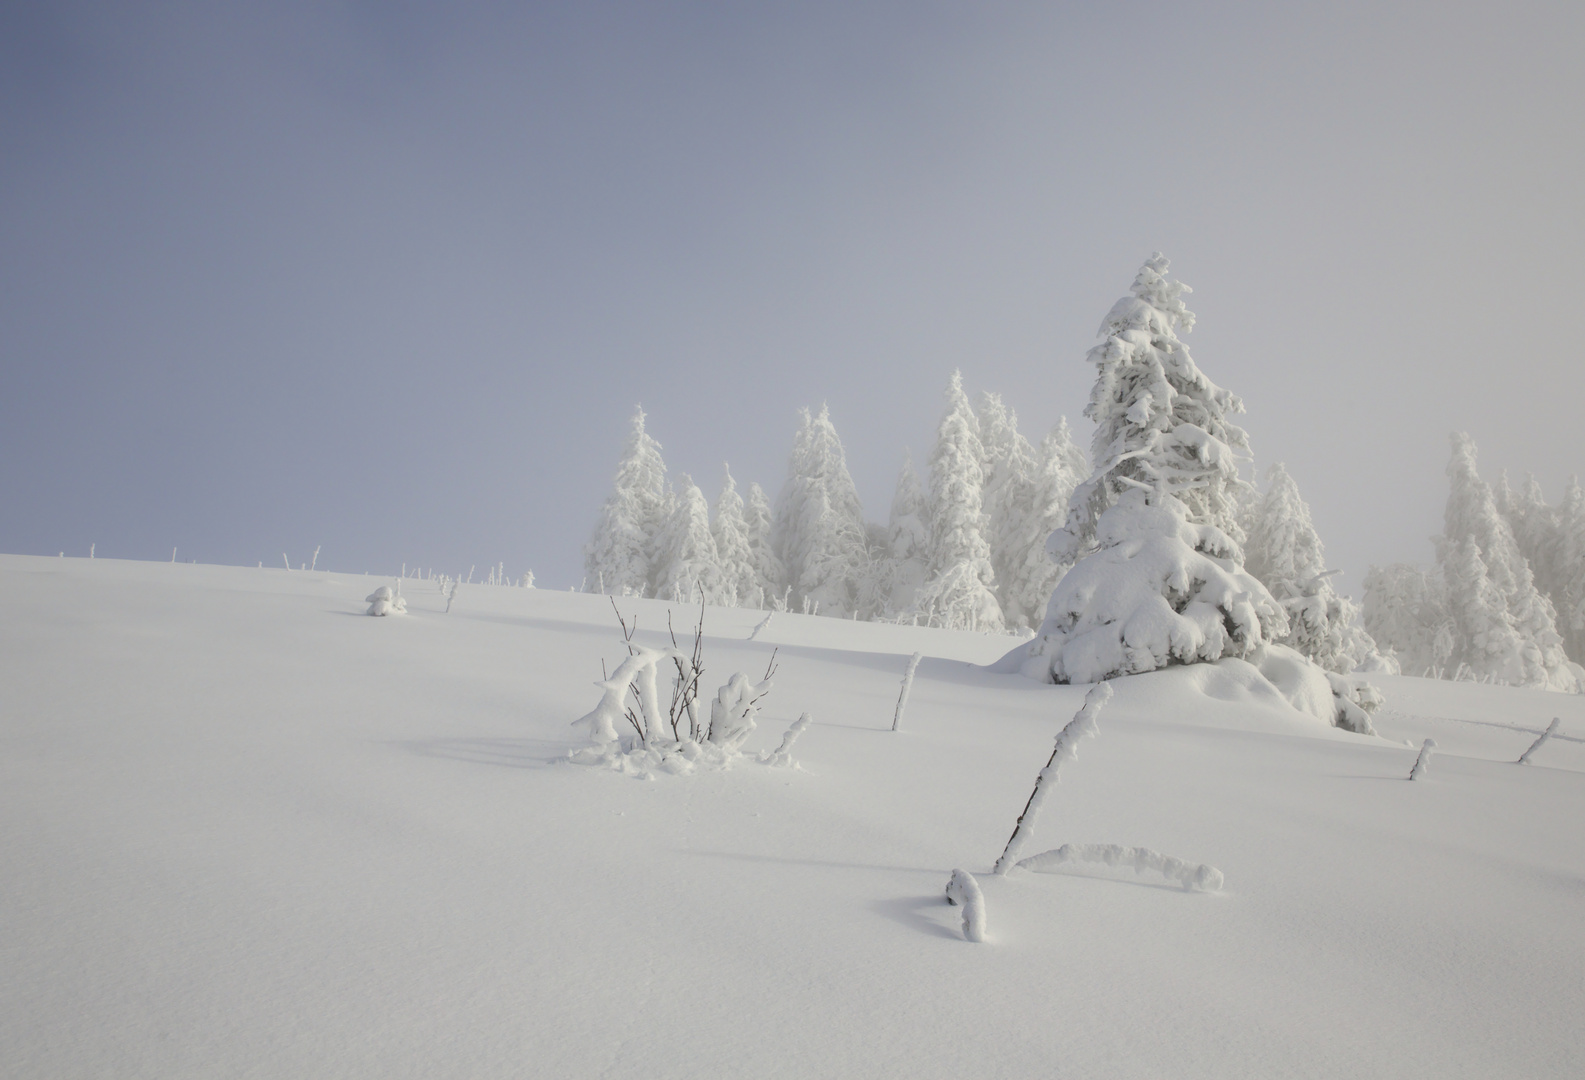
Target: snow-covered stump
point(1081, 726)
point(384, 601)
point(1196, 877)
point(1424, 758)
point(963, 890)
point(781, 757)
point(908, 684)
point(1524, 758)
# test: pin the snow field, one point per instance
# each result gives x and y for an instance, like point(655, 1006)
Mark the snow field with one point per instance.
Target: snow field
point(250, 832)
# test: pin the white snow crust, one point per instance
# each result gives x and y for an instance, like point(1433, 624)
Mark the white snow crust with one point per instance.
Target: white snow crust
point(248, 832)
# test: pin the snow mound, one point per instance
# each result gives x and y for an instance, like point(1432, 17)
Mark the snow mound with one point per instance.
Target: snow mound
point(383, 601)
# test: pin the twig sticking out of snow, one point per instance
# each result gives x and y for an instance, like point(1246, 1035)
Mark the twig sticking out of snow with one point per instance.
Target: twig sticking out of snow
point(763, 623)
point(1524, 758)
point(908, 684)
point(1067, 745)
point(315, 560)
point(781, 757)
point(963, 889)
point(1424, 759)
point(1197, 877)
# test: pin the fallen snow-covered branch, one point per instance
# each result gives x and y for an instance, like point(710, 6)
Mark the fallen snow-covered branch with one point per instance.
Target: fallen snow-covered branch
point(781, 757)
point(762, 624)
point(1424, 758)
point(1524, 758)
point(908, 684)
point(1194, 876)
point(963, 889)
point(1081, 726)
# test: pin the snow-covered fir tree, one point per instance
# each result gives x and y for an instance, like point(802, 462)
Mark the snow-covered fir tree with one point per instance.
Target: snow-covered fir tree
point(1284, 552)
point(1163, 581)
point(898, 569)
point(1535, 530)
point(958, 589)
point(1032, 571)
point(1567, 559)
point(617, 558)
point(1159, 422)
point(770, 577)
point(686, 564)
point(1009, 479)
point(729, 527)
point(1406, 612)
point(819, 528)
point(1520, 644)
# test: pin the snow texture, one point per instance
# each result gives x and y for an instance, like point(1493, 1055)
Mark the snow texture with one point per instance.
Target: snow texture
point(1196, 877)
point(1067, 746)
point(962, 889)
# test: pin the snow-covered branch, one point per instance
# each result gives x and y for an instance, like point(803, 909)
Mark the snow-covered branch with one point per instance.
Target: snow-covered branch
point(1194, 876)
point(1081, 726)
point(963, 889)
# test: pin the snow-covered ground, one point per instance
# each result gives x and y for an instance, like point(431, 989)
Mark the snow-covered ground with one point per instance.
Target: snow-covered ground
point(248, 831)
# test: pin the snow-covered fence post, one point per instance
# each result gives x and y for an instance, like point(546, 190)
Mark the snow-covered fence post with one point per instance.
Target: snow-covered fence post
point(1082, 725)
point(908, 684)
point(1423, 759)
point(1524, 758)
point(964, 890)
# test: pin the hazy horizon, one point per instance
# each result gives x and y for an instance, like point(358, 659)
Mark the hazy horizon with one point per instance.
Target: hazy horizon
point(389, 280)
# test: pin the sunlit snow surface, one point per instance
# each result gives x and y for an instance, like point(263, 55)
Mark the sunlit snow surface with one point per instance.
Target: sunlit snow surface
point(250, 832)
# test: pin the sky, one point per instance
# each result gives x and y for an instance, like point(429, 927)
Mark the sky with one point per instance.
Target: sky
point(388, 279)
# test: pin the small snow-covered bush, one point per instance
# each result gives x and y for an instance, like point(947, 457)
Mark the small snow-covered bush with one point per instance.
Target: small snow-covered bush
point(386, 601)
point(1197, 877)
point(963, 889)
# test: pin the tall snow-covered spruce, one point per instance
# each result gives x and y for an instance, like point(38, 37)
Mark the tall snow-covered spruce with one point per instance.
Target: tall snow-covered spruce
point(686, 563)
point(1159, 576)
point(618, 556)
point(1505, 630)
point(957, 590)
point(819, 528)
point(739, 580)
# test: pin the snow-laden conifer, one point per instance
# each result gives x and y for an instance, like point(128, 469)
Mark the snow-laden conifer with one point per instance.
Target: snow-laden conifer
point(1568, 570)
point(1010, 466)
point(1163, 580)
point(617, 558)
point(957, 592)
point(730, 528)
point(770, 576)
point(1159, 422)
point(1032, 571)
point(1285, 553)
point(897, 569)
point(1406, 612)
point(687, 565)
point(1504, 628)
point(819, 528)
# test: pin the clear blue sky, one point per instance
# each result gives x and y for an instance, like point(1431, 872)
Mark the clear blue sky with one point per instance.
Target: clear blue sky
point(389, 277)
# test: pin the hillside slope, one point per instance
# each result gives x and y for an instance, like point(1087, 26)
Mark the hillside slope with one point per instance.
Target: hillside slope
point(249, 832)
